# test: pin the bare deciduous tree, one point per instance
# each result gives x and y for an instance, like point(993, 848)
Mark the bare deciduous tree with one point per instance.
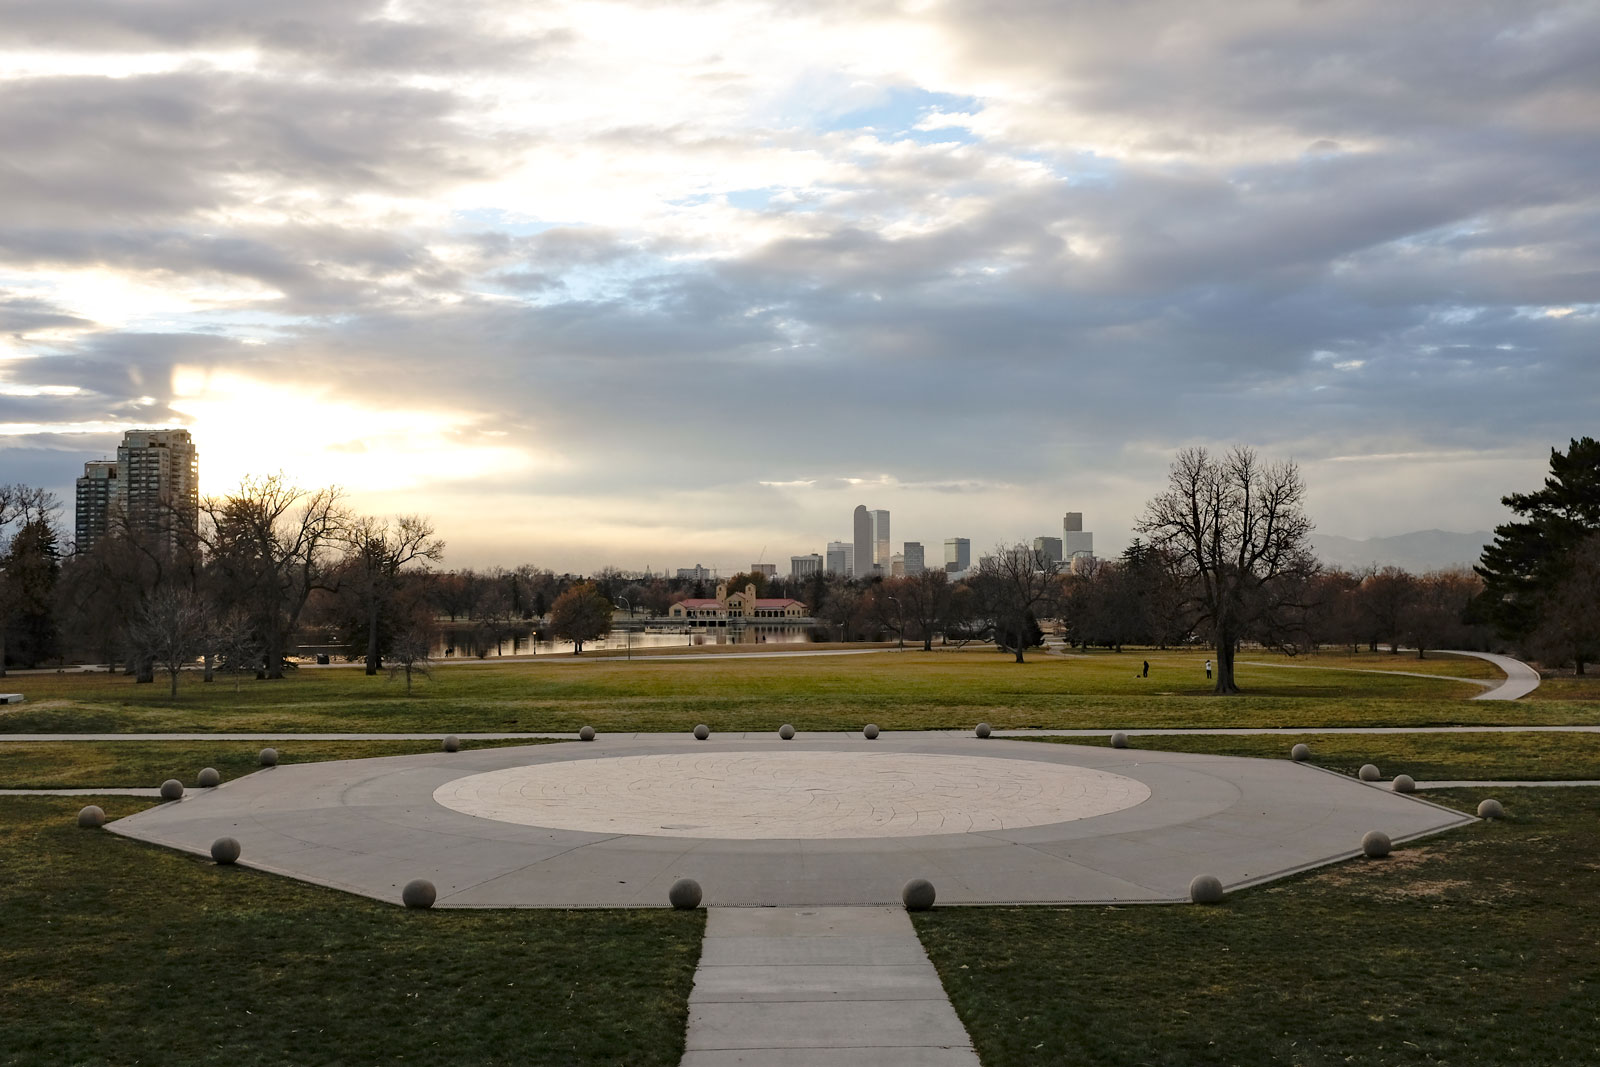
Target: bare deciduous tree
point(171, 629)
point(377, 551)
point(1016, 586)
point(1237, 544)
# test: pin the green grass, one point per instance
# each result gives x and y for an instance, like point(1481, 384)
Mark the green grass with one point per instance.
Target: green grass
point(115, 952)
point(1425, 757)
point(913, 690)
point(87, 764)
point(1473, 948)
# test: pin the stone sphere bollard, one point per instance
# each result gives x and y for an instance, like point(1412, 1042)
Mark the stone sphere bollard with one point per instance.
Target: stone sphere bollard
point(983, 730)
point(871, 731)
point(208, 778)
point(419, 894)
point(1119, 740)
point(1375, 845)
point(225, 850)
point(1404, 783)
point(702, 732)
point(268, 757)
point(1487, 809)
point(786, 732)
point(1206, 889)
point(92, 817)
point(171, 789)
point(586, 734)
point(452, 743)
point(684, 894)
point(917, 895)
point(1300, 753)
point(1367, 773)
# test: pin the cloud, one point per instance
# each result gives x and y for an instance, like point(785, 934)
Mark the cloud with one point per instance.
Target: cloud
point(694, 278)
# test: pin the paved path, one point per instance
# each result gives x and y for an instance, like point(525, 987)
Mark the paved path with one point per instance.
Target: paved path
point(841, 987)
point(1521, 679)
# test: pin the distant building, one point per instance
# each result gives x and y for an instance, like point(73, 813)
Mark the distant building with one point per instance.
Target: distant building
point(153, 487)
point(897, 566)
point(766, 570)
point(697, 573)
point(880, 541)
point(1050, 546)
point(95, 499)
point(804, 566)
point(841, 558)
point(861, 565)
point(957, 555)
point(728, 606)
point(1075, 540)
point(912, 553)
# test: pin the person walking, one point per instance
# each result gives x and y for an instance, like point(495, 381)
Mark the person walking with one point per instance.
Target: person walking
point(1208, 670)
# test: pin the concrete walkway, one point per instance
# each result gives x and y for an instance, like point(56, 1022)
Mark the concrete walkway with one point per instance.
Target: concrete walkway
point(1521, 679)
point(841, 987)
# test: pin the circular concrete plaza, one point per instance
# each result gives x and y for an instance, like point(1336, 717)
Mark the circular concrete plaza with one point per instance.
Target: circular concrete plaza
point(750, 796)
point(826, 819)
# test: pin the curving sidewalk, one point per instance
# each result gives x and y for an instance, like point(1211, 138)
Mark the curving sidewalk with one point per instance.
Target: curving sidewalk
point(1521, 679)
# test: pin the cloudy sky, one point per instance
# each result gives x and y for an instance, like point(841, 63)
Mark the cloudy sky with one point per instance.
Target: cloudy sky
point(609, 283)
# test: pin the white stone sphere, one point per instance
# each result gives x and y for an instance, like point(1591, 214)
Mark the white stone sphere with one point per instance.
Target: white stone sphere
point(208, 778)
point(268, 757)
point(1375, 845)
point(1206, 889)
point(1489, 808)
point(225, 850)
point(171, 789)
point(918, 895)
point(684, 894)
point(1368, 773)
point(1300, 753)
point(786, 732)
point(452, 743)
point(702, 732)
point(586, 734)
point(419, 894)
point(871, 731)
point(1404, 783)
point(92, 817)
point(983, 730)
point(1119, 740)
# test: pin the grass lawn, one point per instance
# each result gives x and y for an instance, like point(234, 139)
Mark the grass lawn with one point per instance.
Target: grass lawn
point(1474, 947)
point(124, 764)
point(115, 952)
point(912, 690)
point(1426, 757)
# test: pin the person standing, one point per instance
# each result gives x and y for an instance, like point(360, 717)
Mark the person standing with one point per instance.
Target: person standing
point(1208, 670)
point(1146, 669)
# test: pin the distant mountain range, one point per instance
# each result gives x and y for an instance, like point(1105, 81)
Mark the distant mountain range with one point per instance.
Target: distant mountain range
point(1424, 550)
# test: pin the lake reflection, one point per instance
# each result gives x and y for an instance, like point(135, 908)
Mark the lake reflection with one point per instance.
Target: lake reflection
point(466, 641)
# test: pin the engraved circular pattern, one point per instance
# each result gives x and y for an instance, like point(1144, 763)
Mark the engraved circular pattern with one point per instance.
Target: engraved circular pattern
point(806, 795)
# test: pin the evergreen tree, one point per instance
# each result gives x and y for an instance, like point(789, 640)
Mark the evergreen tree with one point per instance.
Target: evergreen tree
point(1531, 560)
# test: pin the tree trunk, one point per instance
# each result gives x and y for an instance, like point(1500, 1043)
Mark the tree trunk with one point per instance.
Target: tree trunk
point(1225, 685)
point(372, 642)
point(174, 690)
point(211, 668)
point(274, 667)
point(3, 652)
point(146, 673)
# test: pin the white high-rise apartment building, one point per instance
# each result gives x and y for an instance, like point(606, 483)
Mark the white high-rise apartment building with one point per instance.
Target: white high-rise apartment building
point(913, 557)
point(957, 554)
point(153, 486)
point(841, 558)
point(804, 566)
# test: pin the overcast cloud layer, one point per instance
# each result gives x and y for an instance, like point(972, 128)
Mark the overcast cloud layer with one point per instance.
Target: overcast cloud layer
point(605, 283)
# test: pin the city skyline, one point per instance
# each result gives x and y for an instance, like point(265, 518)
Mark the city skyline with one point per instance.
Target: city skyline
point(630, 284)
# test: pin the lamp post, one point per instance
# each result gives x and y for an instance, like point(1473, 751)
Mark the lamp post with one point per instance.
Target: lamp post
point(901, 613)
point(629, 630)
